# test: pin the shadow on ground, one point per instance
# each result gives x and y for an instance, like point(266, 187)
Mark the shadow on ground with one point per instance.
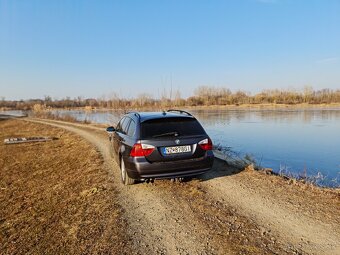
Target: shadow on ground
point(220, 169)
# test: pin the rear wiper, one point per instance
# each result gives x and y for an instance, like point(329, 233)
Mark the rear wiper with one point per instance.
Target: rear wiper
point(166, 134)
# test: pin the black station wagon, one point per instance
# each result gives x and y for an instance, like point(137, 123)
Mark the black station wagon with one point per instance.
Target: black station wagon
point(157, 145)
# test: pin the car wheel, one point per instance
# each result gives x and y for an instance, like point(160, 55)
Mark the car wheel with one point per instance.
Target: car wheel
point(126, 180)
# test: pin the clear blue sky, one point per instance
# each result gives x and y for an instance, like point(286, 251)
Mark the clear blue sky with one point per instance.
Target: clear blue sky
point(90, 48)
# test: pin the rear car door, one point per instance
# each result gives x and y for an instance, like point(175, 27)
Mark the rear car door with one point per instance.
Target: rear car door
point(117, 136)
point(124, 139)
point(129, 137)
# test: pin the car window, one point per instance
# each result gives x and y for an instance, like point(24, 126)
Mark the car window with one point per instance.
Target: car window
point(132, 128)
point(119, 126)
point(125, 125)
point(182, 126)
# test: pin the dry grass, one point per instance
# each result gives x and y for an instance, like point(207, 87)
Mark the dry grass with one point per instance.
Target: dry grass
point(55, 197)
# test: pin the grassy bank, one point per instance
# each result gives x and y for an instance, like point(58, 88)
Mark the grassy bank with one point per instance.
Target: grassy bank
point(205, 107)
point(55, 197)
point(248, 162)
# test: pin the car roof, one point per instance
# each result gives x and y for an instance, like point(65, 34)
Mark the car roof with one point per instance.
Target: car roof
point(144, 116)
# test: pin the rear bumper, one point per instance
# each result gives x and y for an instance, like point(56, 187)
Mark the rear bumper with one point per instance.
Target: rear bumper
point(139, 167)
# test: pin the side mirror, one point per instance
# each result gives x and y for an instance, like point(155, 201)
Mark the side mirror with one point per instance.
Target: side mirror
point(110, 129)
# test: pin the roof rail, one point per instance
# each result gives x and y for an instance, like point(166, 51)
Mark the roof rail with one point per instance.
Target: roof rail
point(180, 111)
point(136, 113)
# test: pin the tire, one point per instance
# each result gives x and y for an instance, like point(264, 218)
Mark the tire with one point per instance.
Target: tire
point(126, 180)
point(188, 178)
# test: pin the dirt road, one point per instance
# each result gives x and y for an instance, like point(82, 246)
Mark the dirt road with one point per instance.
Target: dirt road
point(225, 212)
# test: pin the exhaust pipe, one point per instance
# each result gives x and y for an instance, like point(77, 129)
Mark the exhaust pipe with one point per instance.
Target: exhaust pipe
point(149, 180)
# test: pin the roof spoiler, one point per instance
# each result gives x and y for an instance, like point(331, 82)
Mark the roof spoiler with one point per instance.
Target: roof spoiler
point(180, 111)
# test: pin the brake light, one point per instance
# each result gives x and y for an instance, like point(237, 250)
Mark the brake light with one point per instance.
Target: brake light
point(141, 150)
point(206, 144)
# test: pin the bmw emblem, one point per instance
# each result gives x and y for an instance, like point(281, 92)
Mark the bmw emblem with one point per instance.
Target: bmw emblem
point(177, 141)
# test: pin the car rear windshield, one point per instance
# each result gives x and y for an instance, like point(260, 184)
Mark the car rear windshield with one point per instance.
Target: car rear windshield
point(157, 128)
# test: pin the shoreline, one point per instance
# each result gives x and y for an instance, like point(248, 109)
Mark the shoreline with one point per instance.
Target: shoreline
point(198, 107)
point(244, 164)
point(213, 107)
point(267, 106)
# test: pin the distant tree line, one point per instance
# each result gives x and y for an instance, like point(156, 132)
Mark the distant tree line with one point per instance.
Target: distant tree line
point(203, 96)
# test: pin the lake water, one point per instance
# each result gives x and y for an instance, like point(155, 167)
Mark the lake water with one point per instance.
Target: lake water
point(287, 139)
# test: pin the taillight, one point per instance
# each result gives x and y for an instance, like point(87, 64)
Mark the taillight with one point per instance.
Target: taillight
point(206, 144)
point(141, 150)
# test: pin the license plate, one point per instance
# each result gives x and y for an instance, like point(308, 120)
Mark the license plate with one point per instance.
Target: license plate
point(177, 149)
